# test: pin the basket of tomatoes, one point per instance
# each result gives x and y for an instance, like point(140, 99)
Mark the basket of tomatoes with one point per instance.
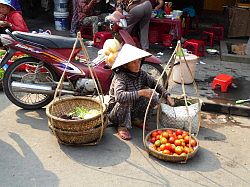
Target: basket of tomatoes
point(173, 145)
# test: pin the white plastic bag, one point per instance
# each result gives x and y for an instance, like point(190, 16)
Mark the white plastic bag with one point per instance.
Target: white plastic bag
point(177, 117)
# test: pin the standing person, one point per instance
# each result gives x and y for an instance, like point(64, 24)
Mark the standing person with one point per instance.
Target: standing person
point(130, 91)
point(139, 13)
point(74, 21)
point(10, 18)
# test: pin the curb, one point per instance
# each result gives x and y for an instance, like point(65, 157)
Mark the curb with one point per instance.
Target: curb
point(225, 108)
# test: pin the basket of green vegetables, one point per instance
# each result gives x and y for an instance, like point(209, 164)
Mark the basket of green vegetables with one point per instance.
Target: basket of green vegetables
point(77, 120)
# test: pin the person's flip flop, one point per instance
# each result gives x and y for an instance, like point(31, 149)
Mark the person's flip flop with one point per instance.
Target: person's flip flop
point(123, 133)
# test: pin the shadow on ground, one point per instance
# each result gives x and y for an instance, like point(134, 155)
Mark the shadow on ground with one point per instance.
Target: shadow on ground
point(109, 152)
point(15, 162)
point(36, 119)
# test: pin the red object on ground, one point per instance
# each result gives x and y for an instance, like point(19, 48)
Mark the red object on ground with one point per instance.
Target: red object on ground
point(162, 22)
point(101, 37)
point(167, 40)
point(223, 80)
point(218, 31)
point(197, 47)
point(86, 32)
point(153, 36)
point(208, 36)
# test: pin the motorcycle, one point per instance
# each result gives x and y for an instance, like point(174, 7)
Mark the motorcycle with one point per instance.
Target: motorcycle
point(30, 82)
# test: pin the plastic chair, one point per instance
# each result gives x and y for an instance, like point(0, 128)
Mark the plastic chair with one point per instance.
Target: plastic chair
point(197, 47)
point(223, 80)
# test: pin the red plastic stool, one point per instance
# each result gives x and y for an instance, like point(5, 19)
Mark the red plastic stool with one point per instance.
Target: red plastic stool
point(197, 47)
point(101, 37)
point(208, 36)
point(223, 80)
point(218, 31)
point(86, 32)
point(153, 36)
point(167, 40)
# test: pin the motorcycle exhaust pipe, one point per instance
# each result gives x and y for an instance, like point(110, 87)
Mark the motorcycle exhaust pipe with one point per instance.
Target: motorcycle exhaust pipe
point(36, 88)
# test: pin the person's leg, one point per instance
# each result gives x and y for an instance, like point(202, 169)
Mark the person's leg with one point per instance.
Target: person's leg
point(133, 17)
point(144, 25)
point(139, 110)
point(74, 20)
point(120, 115)
point(91, 20)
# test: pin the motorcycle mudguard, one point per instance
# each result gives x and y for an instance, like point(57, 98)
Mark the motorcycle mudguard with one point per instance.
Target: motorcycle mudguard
point(153, 59)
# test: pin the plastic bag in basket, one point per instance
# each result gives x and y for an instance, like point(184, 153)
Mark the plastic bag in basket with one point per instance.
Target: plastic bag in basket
point(177, 117)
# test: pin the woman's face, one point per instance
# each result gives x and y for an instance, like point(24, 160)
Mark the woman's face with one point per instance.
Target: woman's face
point(134, 66)
point(4, 9)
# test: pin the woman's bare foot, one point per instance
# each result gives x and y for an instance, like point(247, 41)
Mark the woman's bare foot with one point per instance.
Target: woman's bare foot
point(123, 133)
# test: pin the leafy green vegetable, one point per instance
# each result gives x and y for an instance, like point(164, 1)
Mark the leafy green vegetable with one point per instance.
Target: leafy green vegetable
point(83, 113)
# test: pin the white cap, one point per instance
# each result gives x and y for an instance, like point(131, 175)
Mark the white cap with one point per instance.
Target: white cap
point(129, 53)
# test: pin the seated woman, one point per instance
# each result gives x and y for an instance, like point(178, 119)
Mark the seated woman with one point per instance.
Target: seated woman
point(10, 18)
point(138, 15)
point(130, 91)
point(83, 14)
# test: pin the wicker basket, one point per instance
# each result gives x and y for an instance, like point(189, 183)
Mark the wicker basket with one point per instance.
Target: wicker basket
point(66, 105)
point(90, 136)
point(170, 158)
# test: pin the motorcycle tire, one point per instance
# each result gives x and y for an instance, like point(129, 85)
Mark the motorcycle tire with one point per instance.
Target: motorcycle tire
point(155, 70)
point(14, 97)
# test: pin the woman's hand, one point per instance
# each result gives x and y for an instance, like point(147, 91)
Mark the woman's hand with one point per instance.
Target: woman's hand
point(146, 92)
point(170, 101)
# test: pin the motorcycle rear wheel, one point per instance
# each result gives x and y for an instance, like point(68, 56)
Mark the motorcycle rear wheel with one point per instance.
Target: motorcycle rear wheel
point(155, 70)
point(19, 72)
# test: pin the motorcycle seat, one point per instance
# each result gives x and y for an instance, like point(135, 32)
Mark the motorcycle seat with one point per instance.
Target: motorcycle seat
point(50, 41)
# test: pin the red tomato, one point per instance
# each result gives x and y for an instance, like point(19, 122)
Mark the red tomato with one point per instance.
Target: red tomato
point(158, 137)
point(177, 142)
point(153, 140)
point(166, 152)
point(173, 148)
point(182, 142)
point(193, 143)
point(163, 140)
point(168, 146)
point(165, 135)
point(162, 147)
point(171, 140)
point(186, 139)
point(159, 132)
point(169, 131)
point(186, 150)
point(154, 134)
point(179, 137)
point(184, 133)
point(179, 150)
point(179, 132)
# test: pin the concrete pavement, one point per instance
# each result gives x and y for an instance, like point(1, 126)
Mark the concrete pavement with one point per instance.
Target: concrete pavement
point(31, 156)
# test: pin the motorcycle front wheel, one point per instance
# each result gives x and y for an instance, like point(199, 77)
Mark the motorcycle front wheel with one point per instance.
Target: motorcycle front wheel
point(155, 70)
point(28, 71)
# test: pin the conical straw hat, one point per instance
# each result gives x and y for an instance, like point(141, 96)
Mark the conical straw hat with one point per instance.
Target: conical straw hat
point(129, 53)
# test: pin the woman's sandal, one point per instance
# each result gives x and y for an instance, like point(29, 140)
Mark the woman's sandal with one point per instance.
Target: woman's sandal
point(123, 133)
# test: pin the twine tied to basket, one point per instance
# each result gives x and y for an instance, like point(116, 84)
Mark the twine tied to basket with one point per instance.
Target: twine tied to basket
point(178, 50)
point(96, 83)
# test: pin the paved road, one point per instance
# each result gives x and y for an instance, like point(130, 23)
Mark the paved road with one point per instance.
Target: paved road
point(31, 156)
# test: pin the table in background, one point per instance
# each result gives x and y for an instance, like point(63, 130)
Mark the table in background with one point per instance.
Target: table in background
point(175, 23)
